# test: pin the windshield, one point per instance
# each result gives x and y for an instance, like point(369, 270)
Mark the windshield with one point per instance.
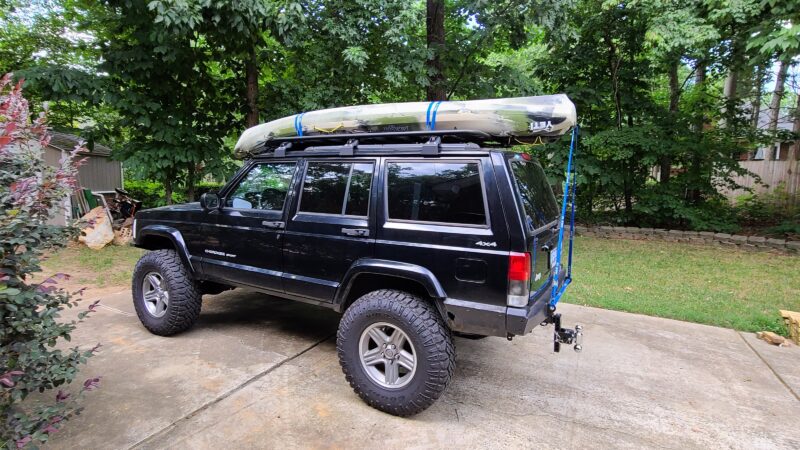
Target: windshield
point(534, 193)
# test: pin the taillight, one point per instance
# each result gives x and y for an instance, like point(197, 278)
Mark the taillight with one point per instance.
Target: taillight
point(519, 278)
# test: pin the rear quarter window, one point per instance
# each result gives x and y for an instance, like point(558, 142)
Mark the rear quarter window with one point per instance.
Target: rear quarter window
point(440, 192)
point(534, 193)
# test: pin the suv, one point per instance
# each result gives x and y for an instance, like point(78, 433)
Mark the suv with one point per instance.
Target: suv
point(412, 236)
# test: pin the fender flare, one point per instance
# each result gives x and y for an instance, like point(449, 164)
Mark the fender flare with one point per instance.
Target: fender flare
point(170, 233)
point(412, 272)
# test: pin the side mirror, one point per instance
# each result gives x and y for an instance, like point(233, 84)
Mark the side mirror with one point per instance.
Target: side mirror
point(210, 201)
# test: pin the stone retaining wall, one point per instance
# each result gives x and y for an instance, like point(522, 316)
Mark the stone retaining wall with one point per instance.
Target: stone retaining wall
point(750, 243)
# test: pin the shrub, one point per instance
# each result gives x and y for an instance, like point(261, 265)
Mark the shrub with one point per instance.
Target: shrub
point(31, 359)
point(152, 193)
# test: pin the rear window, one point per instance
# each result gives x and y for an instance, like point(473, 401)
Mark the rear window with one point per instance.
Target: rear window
point(444, 192)
point(340, 188)
point(534, 193)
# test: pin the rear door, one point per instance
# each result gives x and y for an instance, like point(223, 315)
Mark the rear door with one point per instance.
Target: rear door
point(331, 225)
point(444, 214)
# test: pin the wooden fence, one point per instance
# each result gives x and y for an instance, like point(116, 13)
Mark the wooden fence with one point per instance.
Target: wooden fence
point(771, 173)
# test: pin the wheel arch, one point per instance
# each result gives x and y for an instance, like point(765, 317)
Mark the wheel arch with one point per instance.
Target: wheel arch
point(367, 275)
point(158, 237)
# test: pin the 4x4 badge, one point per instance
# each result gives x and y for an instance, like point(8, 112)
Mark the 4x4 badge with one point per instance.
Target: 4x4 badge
point(486, 244)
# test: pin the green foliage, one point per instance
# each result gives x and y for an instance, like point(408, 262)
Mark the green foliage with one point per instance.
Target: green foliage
point(777, 210)
point(151, 193)
point(32, 354)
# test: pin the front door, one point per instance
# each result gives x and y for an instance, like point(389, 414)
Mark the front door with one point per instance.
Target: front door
point(245, 237)
point(331, 225)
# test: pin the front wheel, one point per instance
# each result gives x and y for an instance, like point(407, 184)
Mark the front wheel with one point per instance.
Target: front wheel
point(395, 351)
point(165, 294)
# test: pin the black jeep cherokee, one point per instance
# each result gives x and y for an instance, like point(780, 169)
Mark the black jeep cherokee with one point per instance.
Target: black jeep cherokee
point(411, 240)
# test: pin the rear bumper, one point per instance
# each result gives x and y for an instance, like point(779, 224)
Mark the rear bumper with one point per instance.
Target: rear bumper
point(493, 320)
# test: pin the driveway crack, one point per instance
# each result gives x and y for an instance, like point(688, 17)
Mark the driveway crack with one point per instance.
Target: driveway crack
point(222, 397)
point(774, 372)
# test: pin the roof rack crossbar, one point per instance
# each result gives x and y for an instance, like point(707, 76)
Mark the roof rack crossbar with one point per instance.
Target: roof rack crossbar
point(424, 136)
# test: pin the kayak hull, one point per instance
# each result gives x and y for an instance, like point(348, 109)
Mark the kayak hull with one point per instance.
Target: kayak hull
point(523, 119)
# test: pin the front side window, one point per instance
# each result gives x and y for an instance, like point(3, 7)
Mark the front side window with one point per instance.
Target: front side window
point(340, 188)
point(264, 187)
point(445, 192)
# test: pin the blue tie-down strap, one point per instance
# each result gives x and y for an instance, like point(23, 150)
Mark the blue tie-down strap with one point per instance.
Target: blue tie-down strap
point(570, 185)
point(298, 123)
point(430, 114)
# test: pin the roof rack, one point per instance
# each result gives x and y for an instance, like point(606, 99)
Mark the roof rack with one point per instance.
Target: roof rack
point(346, 143)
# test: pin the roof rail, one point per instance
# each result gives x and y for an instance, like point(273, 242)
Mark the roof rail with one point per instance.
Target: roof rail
point(347, 142)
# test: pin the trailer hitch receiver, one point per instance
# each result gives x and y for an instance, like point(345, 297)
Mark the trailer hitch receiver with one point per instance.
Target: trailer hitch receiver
point(567, 336)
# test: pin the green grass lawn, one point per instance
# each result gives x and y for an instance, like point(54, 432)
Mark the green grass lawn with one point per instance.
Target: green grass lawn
point(110, 266)
point(704, 284)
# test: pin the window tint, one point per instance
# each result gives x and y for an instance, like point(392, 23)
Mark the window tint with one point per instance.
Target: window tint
point(337, 188)
point(436, 192)
point(358, 194)
point(264, 187)
point(534, 193)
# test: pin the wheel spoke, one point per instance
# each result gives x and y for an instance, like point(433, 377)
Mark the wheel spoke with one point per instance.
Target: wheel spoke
point(373, 357)
point(161, 305)
point(392, 372)
point(378, 336)
point(406, 360)
point(151, 296)
point(154, 281)
point(398, 338)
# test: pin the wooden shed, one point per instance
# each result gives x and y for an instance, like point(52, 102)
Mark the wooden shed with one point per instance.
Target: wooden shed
point(98, 173)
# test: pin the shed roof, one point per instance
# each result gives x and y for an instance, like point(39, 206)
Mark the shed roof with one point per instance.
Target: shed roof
point(67, 142)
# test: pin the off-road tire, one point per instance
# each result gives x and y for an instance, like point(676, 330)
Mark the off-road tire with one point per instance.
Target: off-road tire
point(184, 296)
point(426, 330)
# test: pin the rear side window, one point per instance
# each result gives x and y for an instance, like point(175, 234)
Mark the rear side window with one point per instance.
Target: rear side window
point(534, 193)
point(444, 192)
point(337, 188)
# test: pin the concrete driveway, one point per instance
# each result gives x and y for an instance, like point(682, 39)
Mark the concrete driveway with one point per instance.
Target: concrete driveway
point(261, 372)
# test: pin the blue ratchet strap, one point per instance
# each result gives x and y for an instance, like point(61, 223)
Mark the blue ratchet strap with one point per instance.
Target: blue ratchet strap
point(430, 115)
point(298, 123)
point(569, 191)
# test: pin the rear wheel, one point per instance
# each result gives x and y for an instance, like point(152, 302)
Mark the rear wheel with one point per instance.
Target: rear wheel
point(395, 351)
point(165, 295)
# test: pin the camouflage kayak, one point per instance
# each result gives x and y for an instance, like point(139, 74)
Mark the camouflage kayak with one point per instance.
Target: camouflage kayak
point(525, 119)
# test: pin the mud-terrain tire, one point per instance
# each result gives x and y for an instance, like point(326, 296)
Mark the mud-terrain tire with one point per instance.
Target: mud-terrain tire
point(425, 334)
point(183, 299)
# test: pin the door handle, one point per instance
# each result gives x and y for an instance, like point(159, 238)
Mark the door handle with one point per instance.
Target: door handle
point(277, 224)
point(355, 231)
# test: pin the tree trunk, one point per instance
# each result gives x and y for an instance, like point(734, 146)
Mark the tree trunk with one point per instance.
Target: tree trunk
point(251, 70)
point(168, 190)
point(613, 68)
point(700, 83)
point(758, 84)
point(796, 130)
point(190, 182)
point(694, 165)
point(674, 98)
point(775, 103)
point(435, 37)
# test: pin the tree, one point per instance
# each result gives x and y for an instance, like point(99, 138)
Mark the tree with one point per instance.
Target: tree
point(436, 47)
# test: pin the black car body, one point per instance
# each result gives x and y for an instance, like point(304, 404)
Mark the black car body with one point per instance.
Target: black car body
point(459, 254)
